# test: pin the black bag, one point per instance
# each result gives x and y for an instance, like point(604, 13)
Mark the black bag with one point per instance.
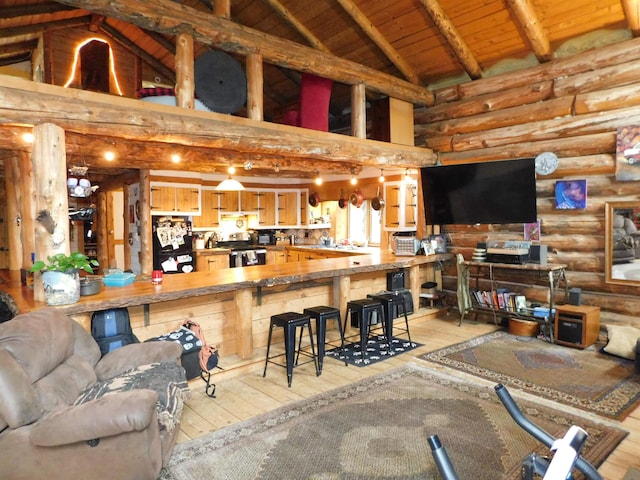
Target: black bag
point(191, 346)
point(111, 329)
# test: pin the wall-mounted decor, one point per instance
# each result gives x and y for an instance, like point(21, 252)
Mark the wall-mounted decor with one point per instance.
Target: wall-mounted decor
point(532, 231)
point(571, 194)
point(628, 153)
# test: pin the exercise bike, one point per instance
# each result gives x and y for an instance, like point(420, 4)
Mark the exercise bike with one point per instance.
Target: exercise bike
point(566, 450)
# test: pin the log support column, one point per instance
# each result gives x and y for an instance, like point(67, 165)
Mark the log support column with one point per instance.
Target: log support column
point(51, 203)
point(244, 318)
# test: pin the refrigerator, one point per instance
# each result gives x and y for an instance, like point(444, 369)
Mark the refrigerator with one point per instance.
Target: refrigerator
point(173, 245)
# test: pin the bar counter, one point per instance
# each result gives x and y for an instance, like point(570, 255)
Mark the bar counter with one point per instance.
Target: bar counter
point(244, 282)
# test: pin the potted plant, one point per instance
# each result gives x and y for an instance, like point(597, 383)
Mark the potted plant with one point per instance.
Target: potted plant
point(61, 276)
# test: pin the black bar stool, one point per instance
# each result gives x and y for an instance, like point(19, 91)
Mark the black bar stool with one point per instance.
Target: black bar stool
point(391, 305)
point(290, 321)
point(361, 313)
point(321, 314)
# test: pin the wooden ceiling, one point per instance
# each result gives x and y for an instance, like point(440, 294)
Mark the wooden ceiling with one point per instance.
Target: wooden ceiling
point(425, 43)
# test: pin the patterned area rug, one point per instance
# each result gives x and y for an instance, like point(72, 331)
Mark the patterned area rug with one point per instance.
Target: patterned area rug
point(377, 428)
point(586, 379)
point(377, 351)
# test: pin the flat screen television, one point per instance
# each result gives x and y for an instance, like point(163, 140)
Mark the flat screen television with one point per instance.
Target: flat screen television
point(496, 192)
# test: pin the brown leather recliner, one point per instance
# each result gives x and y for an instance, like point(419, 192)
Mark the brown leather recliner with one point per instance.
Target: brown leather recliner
point(66, 413)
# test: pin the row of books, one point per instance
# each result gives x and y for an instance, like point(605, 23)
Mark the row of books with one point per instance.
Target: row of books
point(500, 300)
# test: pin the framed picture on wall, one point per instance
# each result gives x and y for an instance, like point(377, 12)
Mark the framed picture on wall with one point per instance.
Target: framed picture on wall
point(439, 243)
point(532, 231)
point(571, 194)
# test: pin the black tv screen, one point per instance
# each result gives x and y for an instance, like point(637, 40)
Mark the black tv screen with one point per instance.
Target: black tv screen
point(490, 192)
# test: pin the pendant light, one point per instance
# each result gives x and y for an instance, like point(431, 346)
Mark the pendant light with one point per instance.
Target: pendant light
point(229, 184)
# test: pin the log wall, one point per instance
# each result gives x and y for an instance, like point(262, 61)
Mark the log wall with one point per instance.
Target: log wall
point(572, 107)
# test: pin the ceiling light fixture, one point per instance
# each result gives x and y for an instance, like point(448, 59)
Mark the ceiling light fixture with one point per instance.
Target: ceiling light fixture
point(109, 155)
point(175, 158)
point(354, 180)
point(318, 179)
point(407, 175)
point(229, 184)
point(28, 137)
point(277, 167)
point(381, 177)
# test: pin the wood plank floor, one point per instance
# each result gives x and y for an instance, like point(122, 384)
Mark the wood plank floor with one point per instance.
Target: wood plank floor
point(242, 392)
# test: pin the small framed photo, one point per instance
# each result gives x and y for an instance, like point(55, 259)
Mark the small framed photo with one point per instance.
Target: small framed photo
point(532, 231)
point(439, 243)
point(427, 247)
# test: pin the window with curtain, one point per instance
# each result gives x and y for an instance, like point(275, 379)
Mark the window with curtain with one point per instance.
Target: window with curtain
point(364, 224)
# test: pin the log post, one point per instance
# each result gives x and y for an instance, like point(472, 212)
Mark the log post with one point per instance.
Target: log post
point(185, 83)
point(27, 208)
point(126, 222)
point(222, 8)
point(358, 111)
point(100, 225)
point(14, 220)
point(146, 240)
point(51, 203)
point(244, 319)
point(255, 86)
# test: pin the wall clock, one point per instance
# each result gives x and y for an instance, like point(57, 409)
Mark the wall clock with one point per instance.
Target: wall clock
point(546, 163)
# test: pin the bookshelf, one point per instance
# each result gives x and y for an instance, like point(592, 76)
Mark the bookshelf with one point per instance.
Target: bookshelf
point(512, 304)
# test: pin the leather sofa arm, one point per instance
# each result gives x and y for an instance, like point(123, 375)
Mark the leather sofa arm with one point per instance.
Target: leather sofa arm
point(136, 354)
point(110, 415)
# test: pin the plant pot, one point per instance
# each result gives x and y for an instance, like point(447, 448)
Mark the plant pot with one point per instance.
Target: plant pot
point(61, 288)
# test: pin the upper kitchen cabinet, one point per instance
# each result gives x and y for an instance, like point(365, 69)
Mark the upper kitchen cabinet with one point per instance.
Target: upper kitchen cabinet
point(400, 211)
point(267, 209)
point(169, 199)
point(288, 202)
point(210, 209)
point(229, 202)
point(250, 200)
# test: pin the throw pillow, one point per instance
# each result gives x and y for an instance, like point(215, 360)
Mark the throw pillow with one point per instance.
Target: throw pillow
point(622, 341)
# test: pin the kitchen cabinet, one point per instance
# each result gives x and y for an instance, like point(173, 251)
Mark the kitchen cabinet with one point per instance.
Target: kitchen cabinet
point(211, 263)
point(288, 208)
point(250, 200)
point(276, 257)
point(267, 212)
point(401, 206)
point(229, 202)
point(168, 198)
point(209, 209)
point(304, 207)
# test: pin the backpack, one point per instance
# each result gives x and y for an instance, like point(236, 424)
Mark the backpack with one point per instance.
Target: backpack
point(111, 329)
point(208, 356)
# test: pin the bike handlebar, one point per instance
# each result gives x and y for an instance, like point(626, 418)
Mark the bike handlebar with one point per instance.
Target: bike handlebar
point(538, 433)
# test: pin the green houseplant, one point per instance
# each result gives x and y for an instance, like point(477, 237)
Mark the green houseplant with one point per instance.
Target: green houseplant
point(61, 276)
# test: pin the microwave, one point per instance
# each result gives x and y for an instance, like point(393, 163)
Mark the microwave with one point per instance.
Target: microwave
point(266, 237)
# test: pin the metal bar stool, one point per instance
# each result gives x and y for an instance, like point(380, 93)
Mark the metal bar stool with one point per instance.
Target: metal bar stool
point(321, 314)
point(392, 304)
point(361, 313)
point(290, 321)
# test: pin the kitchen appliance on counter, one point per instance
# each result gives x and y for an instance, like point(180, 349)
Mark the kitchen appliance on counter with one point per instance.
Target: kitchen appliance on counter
point(243, 254)
point(173, 245)
point(266, 237)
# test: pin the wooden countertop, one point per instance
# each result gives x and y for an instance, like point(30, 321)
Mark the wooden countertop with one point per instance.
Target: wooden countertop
point(174, 287)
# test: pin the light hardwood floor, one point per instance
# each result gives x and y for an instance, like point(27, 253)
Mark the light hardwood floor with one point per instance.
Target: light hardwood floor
point(243, 393)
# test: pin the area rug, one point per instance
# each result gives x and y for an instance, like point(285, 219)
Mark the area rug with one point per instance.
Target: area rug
point(585, 379)
point(378, 428)
point(377, 350)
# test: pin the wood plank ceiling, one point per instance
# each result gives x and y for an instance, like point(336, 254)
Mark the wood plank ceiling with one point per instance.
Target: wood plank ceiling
point(428, 43)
